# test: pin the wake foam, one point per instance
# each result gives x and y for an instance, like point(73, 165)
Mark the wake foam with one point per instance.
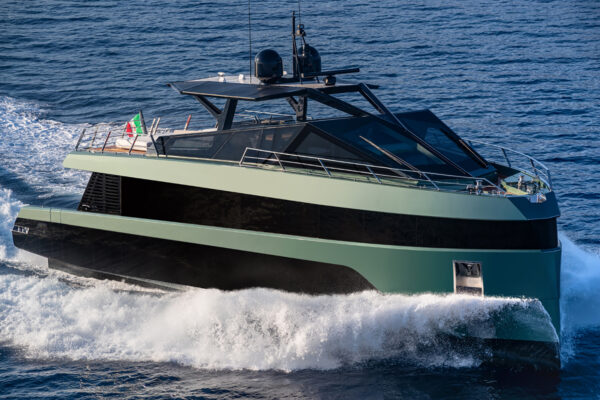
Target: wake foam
point(255, 329)
point(32, 148)
point(9, 207)
point(580, 293)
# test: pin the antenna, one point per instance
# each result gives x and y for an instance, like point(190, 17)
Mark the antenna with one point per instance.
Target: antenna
point(250, 45)
point(297, 30)
point(294, 48)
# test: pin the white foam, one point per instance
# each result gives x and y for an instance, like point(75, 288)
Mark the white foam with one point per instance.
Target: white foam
point(580, 294)
point(252, 329)
point(9, 207)
point(32, 148)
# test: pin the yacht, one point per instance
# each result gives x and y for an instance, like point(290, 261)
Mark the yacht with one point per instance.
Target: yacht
point(359, 198)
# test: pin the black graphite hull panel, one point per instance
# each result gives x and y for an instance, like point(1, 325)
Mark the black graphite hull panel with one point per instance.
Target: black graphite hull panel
point(180, 263)
point(125, 196)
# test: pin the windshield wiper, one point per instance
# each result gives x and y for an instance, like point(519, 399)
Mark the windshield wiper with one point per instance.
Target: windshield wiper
point(395, 158)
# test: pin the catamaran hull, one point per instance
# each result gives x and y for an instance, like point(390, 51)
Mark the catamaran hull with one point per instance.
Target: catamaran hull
point(169, 254)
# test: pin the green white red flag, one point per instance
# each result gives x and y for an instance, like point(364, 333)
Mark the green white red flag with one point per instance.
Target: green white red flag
point(134, 126)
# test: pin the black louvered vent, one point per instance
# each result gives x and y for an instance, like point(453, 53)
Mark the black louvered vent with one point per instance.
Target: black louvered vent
point(102, 194)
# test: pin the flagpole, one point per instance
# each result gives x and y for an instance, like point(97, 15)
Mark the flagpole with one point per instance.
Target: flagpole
point(143, 123)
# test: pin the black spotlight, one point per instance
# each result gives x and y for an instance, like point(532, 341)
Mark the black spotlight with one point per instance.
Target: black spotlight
point(268, 66)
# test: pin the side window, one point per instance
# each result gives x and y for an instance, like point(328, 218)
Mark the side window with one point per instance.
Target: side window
point(316, 145)
point(431, 131)
point(234, 148)
point(203, 146)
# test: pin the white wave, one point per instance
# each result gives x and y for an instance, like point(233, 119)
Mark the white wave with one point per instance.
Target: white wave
point(580, 294)
point(9, 207)
point(32, 148)
point(254, 329)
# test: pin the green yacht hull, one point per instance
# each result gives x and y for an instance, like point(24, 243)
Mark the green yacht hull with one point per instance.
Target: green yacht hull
point(392, 269)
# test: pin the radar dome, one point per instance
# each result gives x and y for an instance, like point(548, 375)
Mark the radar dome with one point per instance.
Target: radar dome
point(268, 66)
point(309, 60)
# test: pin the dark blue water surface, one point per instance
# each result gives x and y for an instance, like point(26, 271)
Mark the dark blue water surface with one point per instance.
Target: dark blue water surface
point(521, 74)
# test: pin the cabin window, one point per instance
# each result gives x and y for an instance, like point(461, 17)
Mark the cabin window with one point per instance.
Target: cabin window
point(203, 146)
point(399, 145)
point(234, 148)
point(430, 129)
point(316, 145)
point(276, 141)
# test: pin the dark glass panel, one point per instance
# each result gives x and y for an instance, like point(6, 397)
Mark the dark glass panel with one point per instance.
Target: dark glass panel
point(351, 130)
point(429, 128)
point(273, 139)
point(202, 145)
point(234, 148)
point(316, 145)
point(228, 145)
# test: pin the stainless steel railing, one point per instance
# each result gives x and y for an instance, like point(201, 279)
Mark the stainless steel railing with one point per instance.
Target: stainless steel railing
point(341, 169)
point(514, 159)
point(97, 141)
point(103, 137)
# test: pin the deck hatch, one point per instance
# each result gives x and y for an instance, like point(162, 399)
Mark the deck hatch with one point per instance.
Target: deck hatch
point(468, 277)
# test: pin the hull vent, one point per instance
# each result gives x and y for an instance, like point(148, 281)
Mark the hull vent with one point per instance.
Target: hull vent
point(102, 194)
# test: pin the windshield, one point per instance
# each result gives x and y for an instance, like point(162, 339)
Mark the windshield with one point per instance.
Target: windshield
point(354, 131)
point(429, 128)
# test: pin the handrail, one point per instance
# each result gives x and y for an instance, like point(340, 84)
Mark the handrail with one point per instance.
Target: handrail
point(330, 166)
point(544, 170)
point(434, 180)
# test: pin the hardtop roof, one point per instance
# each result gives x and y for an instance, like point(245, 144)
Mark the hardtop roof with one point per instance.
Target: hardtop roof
point(242, 88)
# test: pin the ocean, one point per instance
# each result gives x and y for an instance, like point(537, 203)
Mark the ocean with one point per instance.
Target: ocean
point(522, 74)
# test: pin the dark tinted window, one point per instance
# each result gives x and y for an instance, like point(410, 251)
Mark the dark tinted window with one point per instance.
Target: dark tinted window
point(230, 145)
point(272, 139)
point(201, 145)
point(353, 131)
point(235, 146)
point(429, 128)
point(316, 145)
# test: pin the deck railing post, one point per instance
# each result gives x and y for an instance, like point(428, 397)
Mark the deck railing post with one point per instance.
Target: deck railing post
point(94, 137)
point(374, 174)
point(156, 126)
point(152, 125)
point(432, 182)
point(79, 140)
point(324, 167)
point(106, 141)
point(535, 171)
point(132, 144)
point(279, 161)
point(505, 156)
point(154, 144)
point(243, 157)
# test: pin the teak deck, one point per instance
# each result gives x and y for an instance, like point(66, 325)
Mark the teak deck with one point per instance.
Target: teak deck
point(115, 149)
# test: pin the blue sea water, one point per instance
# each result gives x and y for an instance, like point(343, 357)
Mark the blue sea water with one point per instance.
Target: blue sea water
point(521, 74)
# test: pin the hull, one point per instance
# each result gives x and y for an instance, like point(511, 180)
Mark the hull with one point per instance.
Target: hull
point(170, 254)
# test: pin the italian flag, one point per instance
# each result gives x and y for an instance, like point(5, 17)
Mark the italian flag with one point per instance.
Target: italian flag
point(134, 125)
